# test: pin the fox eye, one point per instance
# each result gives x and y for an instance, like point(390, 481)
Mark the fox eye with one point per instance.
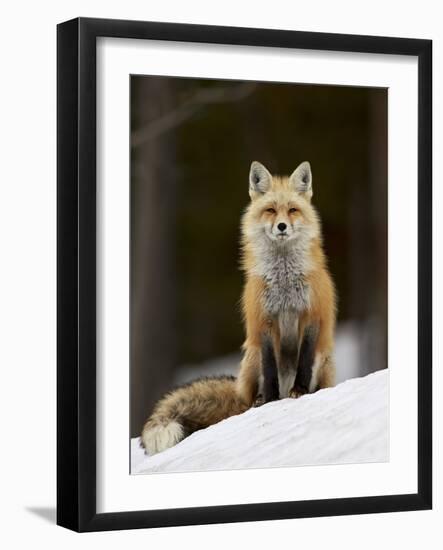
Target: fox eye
point(270, 210)
point(292, 210)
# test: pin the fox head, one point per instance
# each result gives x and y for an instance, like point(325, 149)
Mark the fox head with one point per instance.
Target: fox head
point(280, 208)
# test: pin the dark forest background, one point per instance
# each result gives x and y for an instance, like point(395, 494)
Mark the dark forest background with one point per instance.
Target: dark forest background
point(192, 142)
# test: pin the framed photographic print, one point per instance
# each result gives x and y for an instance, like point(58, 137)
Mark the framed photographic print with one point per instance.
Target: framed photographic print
point(244, 274)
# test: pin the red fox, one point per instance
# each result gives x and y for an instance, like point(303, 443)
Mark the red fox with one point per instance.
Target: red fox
point(289, 299)
point(288, 309)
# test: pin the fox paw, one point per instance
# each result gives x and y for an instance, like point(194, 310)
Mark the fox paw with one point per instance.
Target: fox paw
point(297, 391)
point(259, 401)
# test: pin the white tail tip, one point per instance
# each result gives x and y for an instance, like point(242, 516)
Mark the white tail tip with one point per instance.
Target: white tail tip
point(159, 438)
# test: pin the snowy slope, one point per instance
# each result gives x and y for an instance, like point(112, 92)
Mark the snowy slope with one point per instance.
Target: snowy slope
point(345, 424)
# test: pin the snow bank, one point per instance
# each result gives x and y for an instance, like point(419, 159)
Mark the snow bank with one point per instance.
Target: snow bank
point(345, 424)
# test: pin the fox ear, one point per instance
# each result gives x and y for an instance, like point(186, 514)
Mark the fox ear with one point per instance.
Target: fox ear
point(301, 179)
point(259, 179)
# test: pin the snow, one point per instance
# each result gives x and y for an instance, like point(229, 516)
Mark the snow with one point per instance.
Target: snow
point(345, 424)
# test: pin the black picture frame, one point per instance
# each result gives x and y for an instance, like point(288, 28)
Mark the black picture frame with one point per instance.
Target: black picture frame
point(76, 273)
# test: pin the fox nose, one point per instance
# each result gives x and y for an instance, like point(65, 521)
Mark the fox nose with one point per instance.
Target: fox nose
point(281, 226)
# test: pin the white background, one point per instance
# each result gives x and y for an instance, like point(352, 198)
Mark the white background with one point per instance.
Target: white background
point(27, 285)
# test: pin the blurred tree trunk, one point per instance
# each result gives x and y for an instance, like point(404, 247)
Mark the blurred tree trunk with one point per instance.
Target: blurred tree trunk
point(153, 203)
point(378, 106)
point(368, 241)
point(361, 266)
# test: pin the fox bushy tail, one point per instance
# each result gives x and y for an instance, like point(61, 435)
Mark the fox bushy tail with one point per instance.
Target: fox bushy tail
point(190, 408)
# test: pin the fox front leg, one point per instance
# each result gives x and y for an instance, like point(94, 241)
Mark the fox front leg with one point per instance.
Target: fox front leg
point(269, 369)
point(305, 362)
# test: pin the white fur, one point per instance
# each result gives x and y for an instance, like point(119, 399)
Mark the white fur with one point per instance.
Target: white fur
point(284, 268)
point(288, 323)
point(261, 382)
point(159, 438)
point(315, 372)
point(286, 381)
point(289, 329)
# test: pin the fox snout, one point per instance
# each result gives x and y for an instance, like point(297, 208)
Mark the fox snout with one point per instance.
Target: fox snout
point(282, 229)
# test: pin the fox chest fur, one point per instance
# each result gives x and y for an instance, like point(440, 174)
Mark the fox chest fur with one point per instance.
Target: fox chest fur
point(286, 296)
point(283, 271)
